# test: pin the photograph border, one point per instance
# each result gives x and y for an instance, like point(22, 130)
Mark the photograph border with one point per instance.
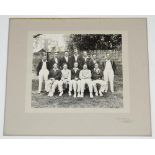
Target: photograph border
point(125, 69)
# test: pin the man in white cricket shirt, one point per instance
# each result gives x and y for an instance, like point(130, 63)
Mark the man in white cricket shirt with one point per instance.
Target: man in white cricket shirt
point(65, 79)
point(85, 76)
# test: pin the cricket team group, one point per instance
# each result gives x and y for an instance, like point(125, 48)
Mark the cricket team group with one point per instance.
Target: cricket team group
point(75, 73)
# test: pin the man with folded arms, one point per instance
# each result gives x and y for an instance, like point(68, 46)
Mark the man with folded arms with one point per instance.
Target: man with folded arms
point(54, 80)
point(75, 81)
point(97, 77)
point(85, 76)
point(65, 79)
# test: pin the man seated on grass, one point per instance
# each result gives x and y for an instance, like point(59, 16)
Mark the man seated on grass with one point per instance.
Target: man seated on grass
point(97, 77)
point(54, 80)
point(65, 79)
point(85, 76)
point(75, 81)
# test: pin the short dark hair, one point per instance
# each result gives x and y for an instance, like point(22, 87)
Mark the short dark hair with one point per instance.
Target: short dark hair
point(65, 64)
point(85, 64)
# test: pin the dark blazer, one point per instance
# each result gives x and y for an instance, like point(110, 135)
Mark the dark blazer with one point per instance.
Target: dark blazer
point(63, 61)
point(40, 66)
point(112, 64)
point(55, 74)
point(97, 75)
point(75, 74)
point(92, 64)
point(79, 61)
point(87, 62)
point(52, 62)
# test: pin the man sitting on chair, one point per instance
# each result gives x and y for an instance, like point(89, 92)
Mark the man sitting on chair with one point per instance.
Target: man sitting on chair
point(54, 80)
point(85, 76)
point(97, 75)
point(65, 79)
point(75, 81)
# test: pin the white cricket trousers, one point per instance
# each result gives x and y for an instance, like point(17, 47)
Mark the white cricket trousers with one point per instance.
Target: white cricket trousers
point(109, 77)
point(52, 85)
point(75, 85)
point(61, 82)
point(88, 82)
point(43, 76)
point(103, 85)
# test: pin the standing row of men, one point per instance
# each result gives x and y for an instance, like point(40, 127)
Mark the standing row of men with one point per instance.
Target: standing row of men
point(77, 72)
point(66, 59)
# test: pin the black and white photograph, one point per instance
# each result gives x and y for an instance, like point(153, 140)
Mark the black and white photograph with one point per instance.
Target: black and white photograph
point(77, 71)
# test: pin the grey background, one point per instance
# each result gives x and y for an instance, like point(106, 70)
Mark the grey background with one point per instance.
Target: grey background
point(3, 58)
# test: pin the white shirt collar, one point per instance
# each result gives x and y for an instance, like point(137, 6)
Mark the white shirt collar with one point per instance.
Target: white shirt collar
point(55, 69)
point(85, 57)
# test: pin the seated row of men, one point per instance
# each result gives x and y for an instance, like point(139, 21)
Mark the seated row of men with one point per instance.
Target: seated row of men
point(76, 77)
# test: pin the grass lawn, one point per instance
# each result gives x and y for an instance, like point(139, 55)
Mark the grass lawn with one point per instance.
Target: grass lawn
point(109, 100)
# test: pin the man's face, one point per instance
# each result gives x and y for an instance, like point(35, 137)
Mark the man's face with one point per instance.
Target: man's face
point(108, 56)
point(55, 66)
point(76, 65)
point(96, 66)
point(44, 57)
point(85, 66)
point(75, 52)
point(94, 56)
point(56, 54)
point(65, 66)
point(85, 54)
point(66, 54)
point(50, 56)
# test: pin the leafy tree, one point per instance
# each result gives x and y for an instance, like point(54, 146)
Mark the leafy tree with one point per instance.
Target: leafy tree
point(94, 41)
